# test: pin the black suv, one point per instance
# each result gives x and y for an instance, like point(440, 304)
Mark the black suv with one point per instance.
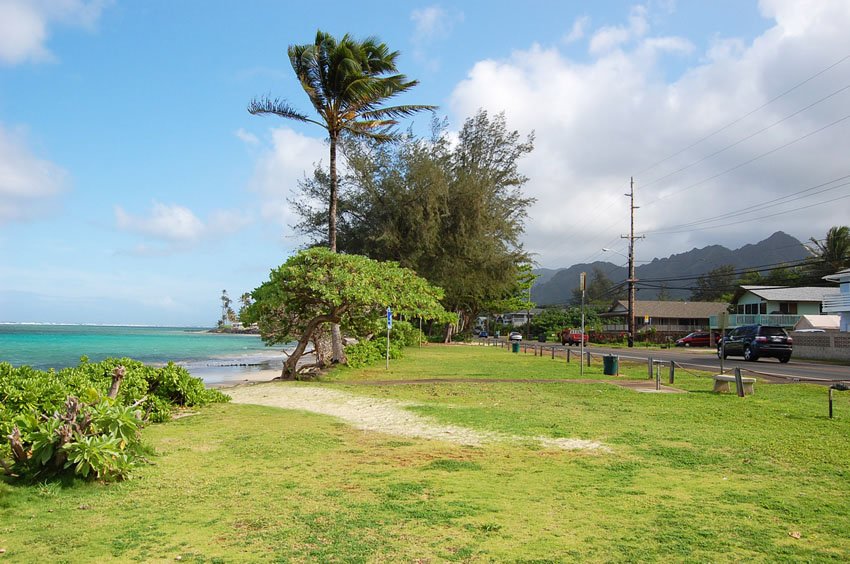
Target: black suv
point(755, 341)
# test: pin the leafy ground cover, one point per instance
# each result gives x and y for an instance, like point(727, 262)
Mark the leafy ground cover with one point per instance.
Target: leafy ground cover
point(689, 477)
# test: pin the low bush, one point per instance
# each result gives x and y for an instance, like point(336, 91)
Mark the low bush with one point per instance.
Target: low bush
point(372, 351)
point(51, 431)
point(99, 439)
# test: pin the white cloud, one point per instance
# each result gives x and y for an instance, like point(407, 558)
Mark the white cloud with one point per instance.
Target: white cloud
point(247, 137)
point(177, 225)
point(599, 122)
point(669, 44)
point(29, 185)
point(431, 24)
point(280, 167)
point(25, 24)
point(578, 30)
point(612, 37)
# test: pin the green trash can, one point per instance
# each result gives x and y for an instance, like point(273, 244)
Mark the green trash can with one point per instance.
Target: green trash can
point(610, 365)
point(515, 346)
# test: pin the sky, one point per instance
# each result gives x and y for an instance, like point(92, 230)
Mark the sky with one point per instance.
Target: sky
point(135, 186)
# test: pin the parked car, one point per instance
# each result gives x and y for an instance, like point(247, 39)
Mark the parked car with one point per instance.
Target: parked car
point(756, 341)
point(572, 337)
point(515, 336)
point(695, 339)
point(483, 334)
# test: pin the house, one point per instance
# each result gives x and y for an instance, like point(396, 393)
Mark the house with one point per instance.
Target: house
point(775, 305)
point(518, 318)
point(663, 317)
point(840, 302)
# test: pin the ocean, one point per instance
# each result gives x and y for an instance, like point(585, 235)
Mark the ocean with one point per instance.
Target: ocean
point(217, 358)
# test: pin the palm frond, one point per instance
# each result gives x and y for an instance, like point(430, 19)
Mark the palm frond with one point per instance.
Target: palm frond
point(377, 131)
point(277, 107)
point(394, 112)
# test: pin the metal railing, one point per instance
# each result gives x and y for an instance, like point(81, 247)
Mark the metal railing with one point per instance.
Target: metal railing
point(737, 319)
point(665, 328)
point(836, 304)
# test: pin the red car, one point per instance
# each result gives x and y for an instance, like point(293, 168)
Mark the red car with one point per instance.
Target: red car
point(572, 337)
point(695, 339)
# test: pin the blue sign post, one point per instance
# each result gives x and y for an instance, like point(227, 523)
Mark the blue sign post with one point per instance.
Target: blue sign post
point(389, 326)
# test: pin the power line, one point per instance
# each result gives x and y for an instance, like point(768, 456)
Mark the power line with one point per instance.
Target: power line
point(760, 216)
point(763, 205)
point(748, 137)
point(748, 114)
point(738, 272)
point(757, 157)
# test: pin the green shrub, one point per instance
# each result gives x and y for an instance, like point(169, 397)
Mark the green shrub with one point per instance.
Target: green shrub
point(90, 440)
point(99, 437)
point(374, 350)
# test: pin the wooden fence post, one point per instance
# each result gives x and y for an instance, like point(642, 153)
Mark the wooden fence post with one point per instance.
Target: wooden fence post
point(739, 383)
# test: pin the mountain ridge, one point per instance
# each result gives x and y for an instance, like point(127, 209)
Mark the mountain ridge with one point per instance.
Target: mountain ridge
point(556, 286)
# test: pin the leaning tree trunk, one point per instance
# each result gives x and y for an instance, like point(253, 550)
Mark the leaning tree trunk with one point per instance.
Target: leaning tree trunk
point(290, 367)
point(322, 347)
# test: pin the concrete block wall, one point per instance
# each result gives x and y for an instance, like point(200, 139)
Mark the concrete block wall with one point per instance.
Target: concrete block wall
point(829, 345)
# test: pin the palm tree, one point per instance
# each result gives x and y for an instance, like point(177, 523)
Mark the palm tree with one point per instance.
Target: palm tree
point(831, 255)
point(346, 81)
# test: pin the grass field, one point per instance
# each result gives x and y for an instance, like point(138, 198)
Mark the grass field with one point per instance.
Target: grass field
point(689, 477)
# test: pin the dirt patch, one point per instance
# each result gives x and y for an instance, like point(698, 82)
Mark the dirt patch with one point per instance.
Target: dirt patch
point(384, 416)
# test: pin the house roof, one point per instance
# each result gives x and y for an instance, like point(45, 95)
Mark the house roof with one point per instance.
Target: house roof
point(818, 322)
point(840, 276)
point(786, 294)
point(694, 310)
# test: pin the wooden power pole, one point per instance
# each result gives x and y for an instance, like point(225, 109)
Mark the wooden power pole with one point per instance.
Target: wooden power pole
point(631, 280)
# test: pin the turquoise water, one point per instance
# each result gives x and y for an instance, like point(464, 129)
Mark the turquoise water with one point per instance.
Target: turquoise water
point(60, 346)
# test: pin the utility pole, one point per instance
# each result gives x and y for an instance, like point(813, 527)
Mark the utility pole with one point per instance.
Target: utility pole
point(631, 280)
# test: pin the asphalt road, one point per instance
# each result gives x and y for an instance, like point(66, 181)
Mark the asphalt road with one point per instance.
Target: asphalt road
point(706, 359)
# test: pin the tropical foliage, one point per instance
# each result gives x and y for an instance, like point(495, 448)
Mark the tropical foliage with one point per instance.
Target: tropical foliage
point(317, 287)
point(366, 352)
point(830, 254)
point(84, 420)
point(451, 209)
point(553, 319)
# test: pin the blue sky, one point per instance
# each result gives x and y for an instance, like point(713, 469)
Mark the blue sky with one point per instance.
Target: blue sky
point(134, 185)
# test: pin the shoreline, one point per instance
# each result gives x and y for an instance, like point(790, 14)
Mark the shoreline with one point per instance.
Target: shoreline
point(227, 376)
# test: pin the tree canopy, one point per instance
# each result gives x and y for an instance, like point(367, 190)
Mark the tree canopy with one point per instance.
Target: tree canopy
point(317, 286)
point(453, 211)
point(828, 255)
point(715, 285)
point(601, 292)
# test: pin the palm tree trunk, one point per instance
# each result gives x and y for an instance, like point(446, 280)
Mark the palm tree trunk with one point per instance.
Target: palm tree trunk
point(332, 203)
point(338, 355)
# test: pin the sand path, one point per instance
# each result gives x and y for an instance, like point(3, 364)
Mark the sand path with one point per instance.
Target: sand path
point(383, 415)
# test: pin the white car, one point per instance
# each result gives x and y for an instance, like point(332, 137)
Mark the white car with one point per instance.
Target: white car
point(515, 336)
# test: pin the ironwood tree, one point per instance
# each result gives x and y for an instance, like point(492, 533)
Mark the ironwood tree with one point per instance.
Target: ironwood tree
point(716, 285)
point(453, 210)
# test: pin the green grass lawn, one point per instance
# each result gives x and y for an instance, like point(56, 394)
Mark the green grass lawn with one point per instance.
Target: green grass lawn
point(690, 477)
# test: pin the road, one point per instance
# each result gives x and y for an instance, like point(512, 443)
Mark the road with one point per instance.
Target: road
point(706, 359)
